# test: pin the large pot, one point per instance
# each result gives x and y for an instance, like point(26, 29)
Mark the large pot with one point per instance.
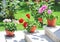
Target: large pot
point(51, 23)
point(9, 33)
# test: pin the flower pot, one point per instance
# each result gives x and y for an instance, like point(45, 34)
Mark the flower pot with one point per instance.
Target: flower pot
point(51, 23)
point(9, 33)
point(33, 28)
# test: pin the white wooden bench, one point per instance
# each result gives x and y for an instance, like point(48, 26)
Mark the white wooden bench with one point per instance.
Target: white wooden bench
point(53, 33)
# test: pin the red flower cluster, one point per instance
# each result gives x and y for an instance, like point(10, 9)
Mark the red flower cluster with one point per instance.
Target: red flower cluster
point(21, 20)
point(29, 27)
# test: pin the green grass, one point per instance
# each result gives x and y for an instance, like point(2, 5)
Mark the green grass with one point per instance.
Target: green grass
point(21, 14)
point(1, 26)
point(57, 12)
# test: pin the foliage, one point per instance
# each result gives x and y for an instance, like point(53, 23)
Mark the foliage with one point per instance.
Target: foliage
point(2, 12)
point(51, 17)
point(10, 26)
point(24, 5)
point(11, 8)
point(34, 7)
point(27, 24)
point(41, 10)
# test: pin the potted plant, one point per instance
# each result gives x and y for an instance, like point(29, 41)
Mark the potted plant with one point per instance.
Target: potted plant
point(51, 20)
point(38, 11)
point(46, 12)
point(10, 27)
point(29, 25)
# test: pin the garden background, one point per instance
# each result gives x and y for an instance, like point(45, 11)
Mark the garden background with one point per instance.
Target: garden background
point(22, 10)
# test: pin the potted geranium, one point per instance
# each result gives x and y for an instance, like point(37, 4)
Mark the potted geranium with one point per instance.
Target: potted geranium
point(46, 12)
point(51, 19)
point(42, 11)
point(28, 25)
point(10, 27)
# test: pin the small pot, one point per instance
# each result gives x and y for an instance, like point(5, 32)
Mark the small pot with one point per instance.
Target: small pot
point(51, 23)
point(9, 33)
point(33, 28)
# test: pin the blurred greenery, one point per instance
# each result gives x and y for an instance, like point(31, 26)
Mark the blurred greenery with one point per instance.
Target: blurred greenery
point(23, 11)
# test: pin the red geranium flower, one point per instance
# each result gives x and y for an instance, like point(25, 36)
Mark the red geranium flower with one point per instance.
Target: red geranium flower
point(21, 20)
point(28, 16)
point(25, 24)
point(40, 19)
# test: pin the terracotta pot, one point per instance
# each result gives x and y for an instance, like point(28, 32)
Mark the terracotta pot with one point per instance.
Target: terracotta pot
point(51, 23)
point(9, 33)
point(40, 19)
point(33, 28)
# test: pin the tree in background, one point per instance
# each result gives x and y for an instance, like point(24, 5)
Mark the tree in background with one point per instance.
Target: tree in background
point(2, 12)
point(11, 8)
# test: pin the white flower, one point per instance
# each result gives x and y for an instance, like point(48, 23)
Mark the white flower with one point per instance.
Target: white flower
point(7, 20)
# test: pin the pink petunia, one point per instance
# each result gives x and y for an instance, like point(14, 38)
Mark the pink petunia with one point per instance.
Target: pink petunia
point(44, 7)
point(49, 11)
point(40, 10)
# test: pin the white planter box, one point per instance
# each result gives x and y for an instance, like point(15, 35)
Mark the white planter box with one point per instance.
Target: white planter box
point(53, 33)
point(37, 37)
point(19, 37)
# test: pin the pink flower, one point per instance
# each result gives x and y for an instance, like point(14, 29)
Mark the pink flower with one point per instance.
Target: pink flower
point(40, 10)
point(44, 7)
point(49, 11)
